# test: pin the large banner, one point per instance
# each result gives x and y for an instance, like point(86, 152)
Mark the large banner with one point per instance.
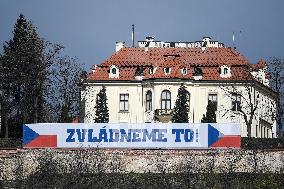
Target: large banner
point(135, 136)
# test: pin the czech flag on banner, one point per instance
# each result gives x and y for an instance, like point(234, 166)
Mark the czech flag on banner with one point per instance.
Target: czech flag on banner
point(133, 136)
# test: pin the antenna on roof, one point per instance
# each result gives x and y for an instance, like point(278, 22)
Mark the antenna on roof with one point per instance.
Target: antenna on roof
point(234, 40)
point(132, 35)
point(238, 37)
point(239, 42)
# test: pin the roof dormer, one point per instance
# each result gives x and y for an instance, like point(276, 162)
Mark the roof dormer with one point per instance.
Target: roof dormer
point(167, 70)
point(259, 72)
point(184, 71)
point(225, 71)
point(152, 70)
point(94, 68)
point(197, 75)
point(139, 73)
point(114, 72)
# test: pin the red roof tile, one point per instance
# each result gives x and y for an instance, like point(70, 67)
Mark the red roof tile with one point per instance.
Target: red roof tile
point(259, 65)
point(210, 60)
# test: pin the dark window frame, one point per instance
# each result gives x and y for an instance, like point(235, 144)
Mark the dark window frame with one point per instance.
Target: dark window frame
point(113, 71)
point(184, 71)
point(215, 102)
point(225, 71)
point(236, 102)
point(149, 98)
point(124, 101)
point(167, 70)
point(167, 100)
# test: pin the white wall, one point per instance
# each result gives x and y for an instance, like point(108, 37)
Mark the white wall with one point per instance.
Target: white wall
point(198, 102)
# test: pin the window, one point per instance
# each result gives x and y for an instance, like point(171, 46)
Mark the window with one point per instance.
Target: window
point(139, 71)
point(149, 101)
point(213, 99)
point(236, 102)
point(167, 70)
point(166, 100)
point(197, 71)
point(113, 70)
point(184, 71)
point(225, 71)
point(151, 70)
point(123, 102)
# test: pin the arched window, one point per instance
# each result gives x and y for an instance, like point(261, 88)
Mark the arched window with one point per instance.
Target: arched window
point(225, 71)
point(149, 101)
point(113, 70)
point(167, 70)
point(184, 71)
point(166, 100)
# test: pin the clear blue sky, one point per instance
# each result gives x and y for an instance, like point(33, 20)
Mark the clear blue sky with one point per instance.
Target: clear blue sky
point(89, 28)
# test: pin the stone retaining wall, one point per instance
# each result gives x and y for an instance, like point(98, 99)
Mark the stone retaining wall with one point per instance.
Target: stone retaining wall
point(22, 163)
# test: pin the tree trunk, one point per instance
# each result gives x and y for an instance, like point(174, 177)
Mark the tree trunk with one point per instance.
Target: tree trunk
point(6, 127)
point(3, 116)
point(36, 110)
point(249, 130)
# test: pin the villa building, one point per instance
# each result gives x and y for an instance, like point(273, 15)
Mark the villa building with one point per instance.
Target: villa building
point(142, 84)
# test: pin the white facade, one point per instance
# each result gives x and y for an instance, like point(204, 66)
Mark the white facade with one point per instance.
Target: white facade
point(263, 124)
point(142, 84)
point(260, 75)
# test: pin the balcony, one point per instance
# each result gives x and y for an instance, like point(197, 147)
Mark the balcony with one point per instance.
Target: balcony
point(163, 115)
point(163, 111)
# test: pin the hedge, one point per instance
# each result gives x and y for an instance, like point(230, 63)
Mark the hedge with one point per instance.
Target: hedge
point(262, 143)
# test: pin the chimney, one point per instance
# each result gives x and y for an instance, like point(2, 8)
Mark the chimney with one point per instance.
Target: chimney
point(118, 46)
point(150, 39)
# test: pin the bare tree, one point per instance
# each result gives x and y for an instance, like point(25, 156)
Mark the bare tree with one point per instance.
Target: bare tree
point(64, 92)
point(276, 73)
point(245, 102)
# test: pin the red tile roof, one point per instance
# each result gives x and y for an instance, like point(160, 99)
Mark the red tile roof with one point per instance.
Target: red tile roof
point(260, 65)
point(210, 60)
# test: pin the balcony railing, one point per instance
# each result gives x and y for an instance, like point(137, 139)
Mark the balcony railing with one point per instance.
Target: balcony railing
point(163, 112)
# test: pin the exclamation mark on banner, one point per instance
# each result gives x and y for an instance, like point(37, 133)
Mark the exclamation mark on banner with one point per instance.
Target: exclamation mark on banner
point(196, 135)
